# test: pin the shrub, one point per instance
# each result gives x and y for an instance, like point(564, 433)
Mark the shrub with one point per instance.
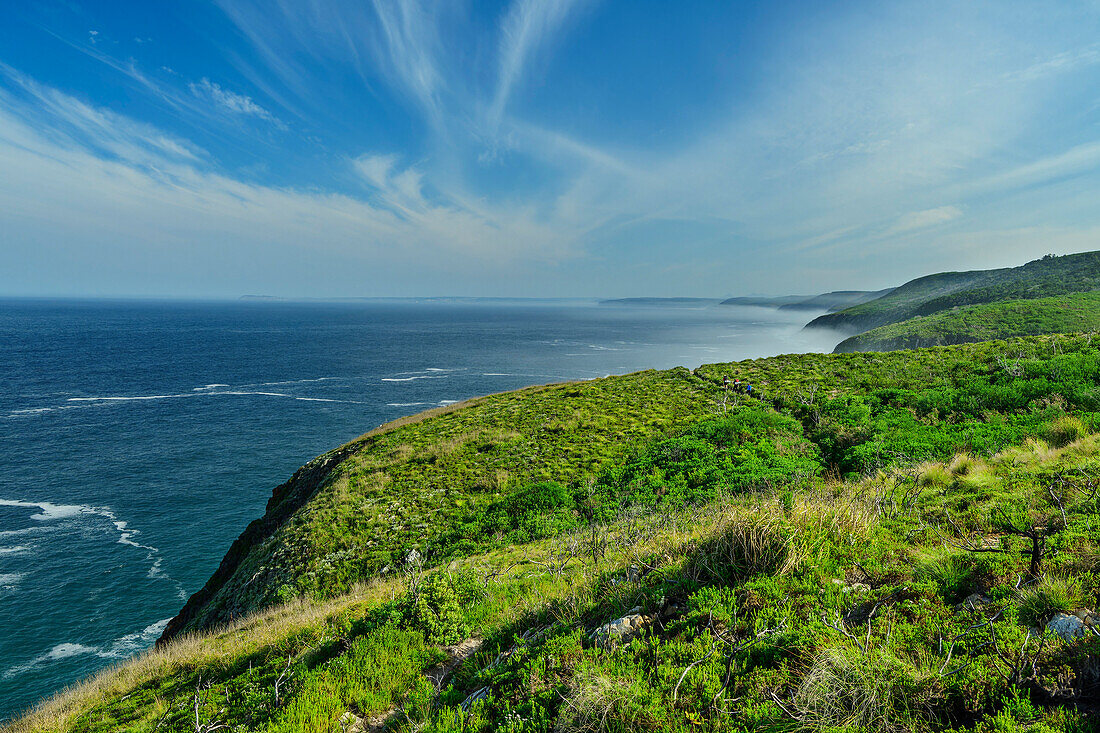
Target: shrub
point(1064, 430)
point(751, 543)
point(962, 464)
point(712, 603)
point(434, 607)
point(1051, 595)
point(601, 703)
point(873, 692)
point(958, 575)
point(934, 475)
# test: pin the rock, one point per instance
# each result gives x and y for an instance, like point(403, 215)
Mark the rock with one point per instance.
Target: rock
point(1088, 617)
point(851, 588)
point(351, 723)
point(413, 558)
point(456, 655)
point(1066, 626)
point(974, 602)
point(621, 629)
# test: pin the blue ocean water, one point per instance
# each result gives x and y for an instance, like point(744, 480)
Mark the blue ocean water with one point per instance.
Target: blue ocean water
point(139, 438)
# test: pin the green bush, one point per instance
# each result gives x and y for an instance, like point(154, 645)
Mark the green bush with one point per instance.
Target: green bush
point(434, 607)
point(874, 692)
point(715, 604)
point(749, 545)
point(1063, 431)
point(1051, 595)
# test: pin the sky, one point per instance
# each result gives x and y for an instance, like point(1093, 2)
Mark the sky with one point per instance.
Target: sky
point(333, 148)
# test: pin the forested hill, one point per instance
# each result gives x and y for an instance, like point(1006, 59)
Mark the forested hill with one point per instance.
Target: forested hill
point(1043, 278)
point(1074, 313)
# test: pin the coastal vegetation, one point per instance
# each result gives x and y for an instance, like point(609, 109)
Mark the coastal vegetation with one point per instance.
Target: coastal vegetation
point(873, 542)
point(1048, 277)
point(1077, 312)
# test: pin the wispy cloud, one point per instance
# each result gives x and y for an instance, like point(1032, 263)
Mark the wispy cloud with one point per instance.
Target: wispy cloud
point(64, 118)
point(862, 147)
point(237, 104)
point(927, 218)
point(410, 44)
point(130, 186)
point(528, 25)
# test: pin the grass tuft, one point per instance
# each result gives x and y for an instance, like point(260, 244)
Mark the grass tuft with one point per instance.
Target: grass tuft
point(1050, 595)
point(876, 692)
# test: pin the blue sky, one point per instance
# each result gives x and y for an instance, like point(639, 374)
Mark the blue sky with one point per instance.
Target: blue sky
point(539, 147)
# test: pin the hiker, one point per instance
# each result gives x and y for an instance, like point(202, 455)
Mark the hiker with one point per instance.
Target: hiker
point(737, 386)
point(726, 382)
point(748, 389)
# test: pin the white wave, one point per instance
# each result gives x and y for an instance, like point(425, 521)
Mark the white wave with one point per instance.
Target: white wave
point(434, 369)
point(128, 399)
point(64, 651)
point(16, 414)
point(61, 651)
point(158, 628)
point(125, 646)
point(10, 579)
point(49, 511)
point(448, 402)
point(210, 390)
point(20, 532)
point(496, 374)
point(411, 379)
point(120, 648)
point(13, 550)
point(126, 534)
point(408, 404)
point(293, 381)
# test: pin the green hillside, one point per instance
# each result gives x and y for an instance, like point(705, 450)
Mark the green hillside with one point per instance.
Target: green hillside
point(836, 300)
point(1047, 277)
point(1079, 312)
point(878, 542)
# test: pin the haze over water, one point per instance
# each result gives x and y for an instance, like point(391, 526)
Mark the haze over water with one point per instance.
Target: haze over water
point(139, 438)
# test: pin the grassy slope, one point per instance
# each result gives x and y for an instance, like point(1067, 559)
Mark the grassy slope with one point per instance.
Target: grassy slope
point(1079, 312)
point(360, 510)
point(804, 604)
point(389, 491)
point(924, 296)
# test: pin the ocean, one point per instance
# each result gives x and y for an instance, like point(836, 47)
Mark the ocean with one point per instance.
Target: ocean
point(139, 438)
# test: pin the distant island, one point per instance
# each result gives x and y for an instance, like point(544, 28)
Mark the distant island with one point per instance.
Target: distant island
point(823, 302)
point(661, 301)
